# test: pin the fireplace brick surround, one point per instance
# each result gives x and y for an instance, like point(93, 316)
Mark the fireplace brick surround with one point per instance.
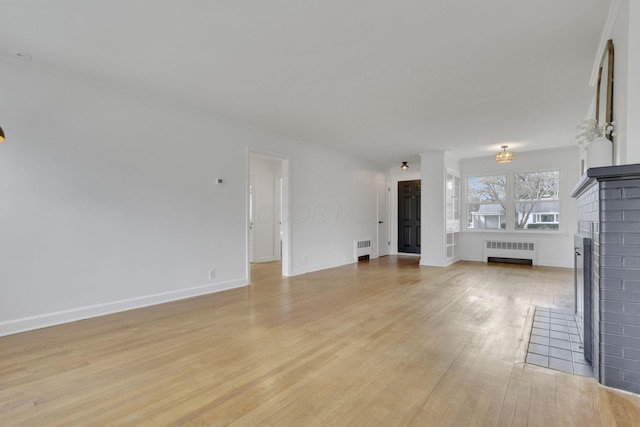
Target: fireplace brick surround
point(609, 214)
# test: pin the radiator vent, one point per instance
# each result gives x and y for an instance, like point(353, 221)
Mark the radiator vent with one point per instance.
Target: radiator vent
point(362, 249)
point(514, 250)
point(519, 246)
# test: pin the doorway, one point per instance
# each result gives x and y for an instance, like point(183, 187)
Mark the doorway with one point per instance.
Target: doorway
point(267, 228)
point(409, 216)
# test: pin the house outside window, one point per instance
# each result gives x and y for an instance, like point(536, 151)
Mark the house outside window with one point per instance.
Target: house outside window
point(548, 218)
point(486, 202)
point(489, 216)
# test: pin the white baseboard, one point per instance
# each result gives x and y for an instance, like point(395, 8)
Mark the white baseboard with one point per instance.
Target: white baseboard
point(66, 316)
point(543, 263)
point(311, 268)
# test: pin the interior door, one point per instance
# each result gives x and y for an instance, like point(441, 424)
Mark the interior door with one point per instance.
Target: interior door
point(278, 217)
point(251, 214)
point(383, 218)
point(409, 216)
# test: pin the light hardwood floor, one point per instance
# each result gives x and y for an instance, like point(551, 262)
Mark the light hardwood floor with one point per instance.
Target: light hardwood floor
point(384, 342)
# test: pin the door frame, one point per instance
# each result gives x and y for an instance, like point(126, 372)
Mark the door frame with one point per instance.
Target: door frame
point(418, 207)
point(252, 202)
point(285, 207)
point(386, 244)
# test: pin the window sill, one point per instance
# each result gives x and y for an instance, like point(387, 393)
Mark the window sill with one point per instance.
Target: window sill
point(519, 232)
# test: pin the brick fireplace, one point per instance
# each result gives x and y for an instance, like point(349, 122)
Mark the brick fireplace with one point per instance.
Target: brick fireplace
point(609, 215)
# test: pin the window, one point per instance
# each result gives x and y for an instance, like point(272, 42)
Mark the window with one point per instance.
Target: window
point(486, 199)
point(544, 218)
point(452, 199)
point(537, 205)
point(532, 197)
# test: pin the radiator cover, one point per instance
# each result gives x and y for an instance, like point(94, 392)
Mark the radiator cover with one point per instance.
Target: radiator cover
point(361, 248)
point(510, 249)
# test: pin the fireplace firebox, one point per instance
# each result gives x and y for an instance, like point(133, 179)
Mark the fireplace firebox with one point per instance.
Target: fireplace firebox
point(582, 285)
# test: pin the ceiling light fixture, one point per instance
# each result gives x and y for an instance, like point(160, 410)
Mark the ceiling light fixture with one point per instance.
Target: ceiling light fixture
point(504, 156)
point(404, 166)
point(1, 135)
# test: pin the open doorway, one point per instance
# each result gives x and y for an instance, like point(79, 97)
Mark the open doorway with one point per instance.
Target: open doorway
point(268, 228)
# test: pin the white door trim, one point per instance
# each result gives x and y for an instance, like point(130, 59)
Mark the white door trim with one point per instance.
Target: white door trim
point(285, 202)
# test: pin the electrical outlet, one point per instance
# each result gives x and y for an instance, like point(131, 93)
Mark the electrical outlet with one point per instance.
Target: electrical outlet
point(212, 274)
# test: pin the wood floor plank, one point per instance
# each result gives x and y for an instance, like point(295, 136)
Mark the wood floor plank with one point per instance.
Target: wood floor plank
point(384, 342)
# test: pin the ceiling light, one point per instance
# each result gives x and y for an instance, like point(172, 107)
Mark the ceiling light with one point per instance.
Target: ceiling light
point(504, 156)
point(404, 166)
point(1, 135)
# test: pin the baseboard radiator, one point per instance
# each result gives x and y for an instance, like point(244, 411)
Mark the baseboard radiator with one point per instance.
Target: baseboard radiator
point(362, 249)
point(510, 252)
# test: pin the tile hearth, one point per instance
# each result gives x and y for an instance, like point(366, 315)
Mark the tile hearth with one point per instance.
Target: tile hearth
point(555, 342)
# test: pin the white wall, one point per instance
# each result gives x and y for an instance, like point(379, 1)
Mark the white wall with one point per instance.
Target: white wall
point(432, 222)
point(633, 84)
point(335, 198)
point(109, 201)
point(625, 34)
point(620, 77)
point(555, 249)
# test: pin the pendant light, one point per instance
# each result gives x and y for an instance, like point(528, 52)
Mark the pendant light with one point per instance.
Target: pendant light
point(504, 156)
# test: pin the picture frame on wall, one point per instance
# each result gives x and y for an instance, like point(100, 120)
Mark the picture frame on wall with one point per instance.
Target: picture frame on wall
point(604, 90)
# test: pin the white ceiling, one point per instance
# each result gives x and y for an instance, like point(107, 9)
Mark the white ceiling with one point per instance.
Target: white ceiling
point(380, 79)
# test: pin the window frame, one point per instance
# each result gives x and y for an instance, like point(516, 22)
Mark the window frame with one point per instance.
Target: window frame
point(510, 202)
point(502, 201)
point(553, 199)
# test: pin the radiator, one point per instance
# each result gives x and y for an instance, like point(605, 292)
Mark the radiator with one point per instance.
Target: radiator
point(515, 250)
point(362, 249)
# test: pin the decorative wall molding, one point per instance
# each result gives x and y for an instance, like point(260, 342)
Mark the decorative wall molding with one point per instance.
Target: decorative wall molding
point(607, 32)
point(592, 108)
point(66, 316)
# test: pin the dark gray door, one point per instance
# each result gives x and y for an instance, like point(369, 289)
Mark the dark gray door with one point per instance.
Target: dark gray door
point(409, 216)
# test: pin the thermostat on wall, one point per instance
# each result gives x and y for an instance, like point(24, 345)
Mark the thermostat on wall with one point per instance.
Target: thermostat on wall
point(219, 181)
